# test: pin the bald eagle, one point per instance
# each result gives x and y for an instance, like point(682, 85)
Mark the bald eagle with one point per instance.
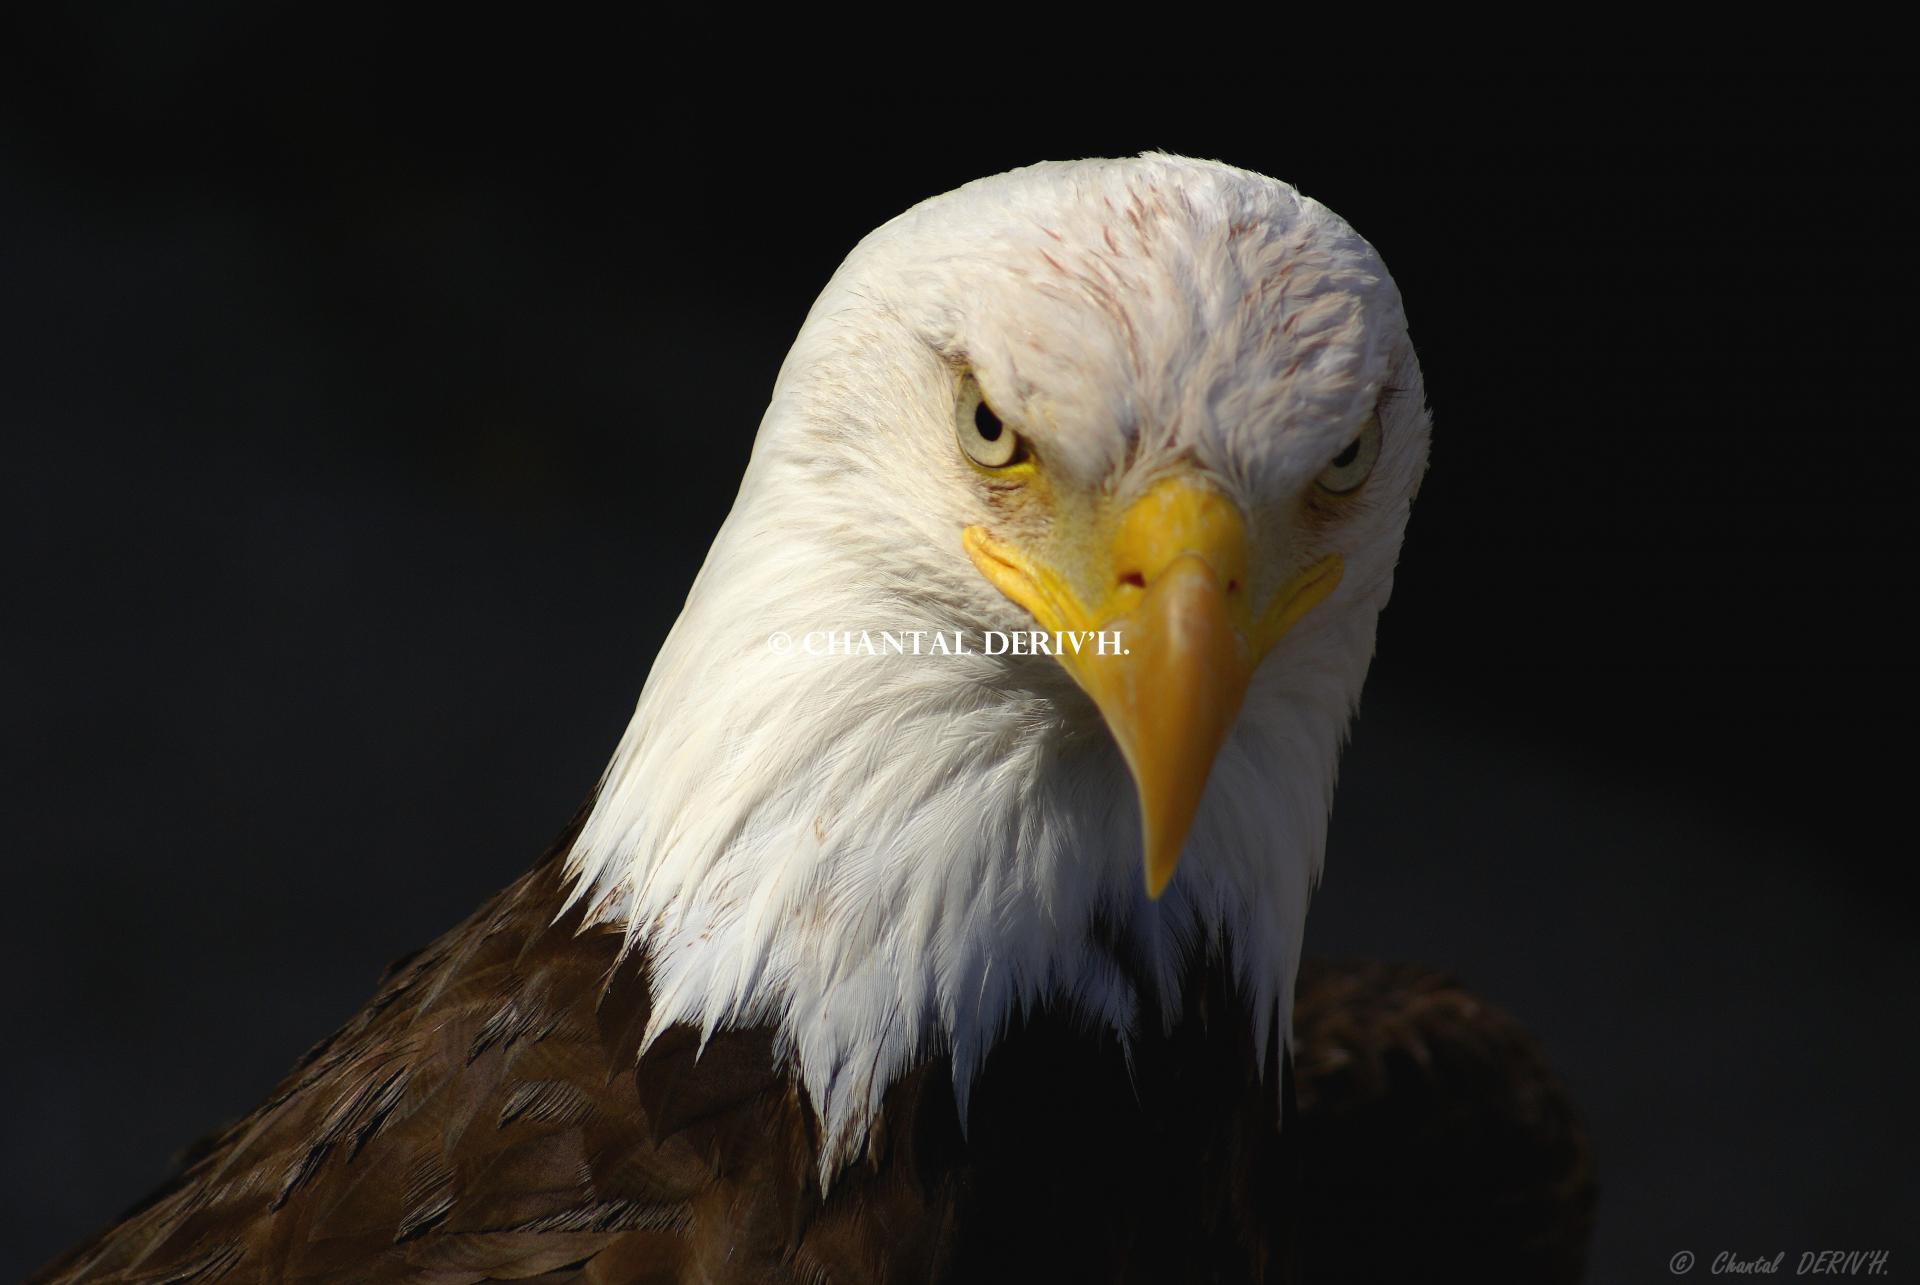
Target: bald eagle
point(939, 916)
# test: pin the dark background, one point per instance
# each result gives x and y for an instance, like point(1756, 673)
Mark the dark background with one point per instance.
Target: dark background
point(370, 395)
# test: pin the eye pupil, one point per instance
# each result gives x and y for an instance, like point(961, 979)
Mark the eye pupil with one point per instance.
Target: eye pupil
point(986, 423)
point(1348, 456)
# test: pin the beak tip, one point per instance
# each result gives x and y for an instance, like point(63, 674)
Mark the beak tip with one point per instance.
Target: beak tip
point(1157, 870)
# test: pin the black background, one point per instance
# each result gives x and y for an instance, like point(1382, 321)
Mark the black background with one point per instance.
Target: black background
point(371, 393)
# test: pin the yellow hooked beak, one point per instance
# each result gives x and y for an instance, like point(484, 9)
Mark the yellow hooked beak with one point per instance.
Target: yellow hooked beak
point(1173, 584)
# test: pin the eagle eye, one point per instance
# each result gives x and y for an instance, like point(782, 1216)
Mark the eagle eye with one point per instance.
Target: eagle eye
point(984, 436)
point(1350, 467)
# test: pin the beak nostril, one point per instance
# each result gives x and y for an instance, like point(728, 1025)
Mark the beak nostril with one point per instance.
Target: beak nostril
point(1135, 579)
point(1233, 586)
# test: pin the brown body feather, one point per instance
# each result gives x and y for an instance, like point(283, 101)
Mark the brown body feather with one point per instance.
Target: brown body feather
point(1433, 1135)
point(488, 1117)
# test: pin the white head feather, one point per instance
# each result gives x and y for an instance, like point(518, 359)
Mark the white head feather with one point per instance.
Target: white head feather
point(889, 857)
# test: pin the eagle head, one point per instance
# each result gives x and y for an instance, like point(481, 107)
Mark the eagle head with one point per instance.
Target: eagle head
point(1018, 673)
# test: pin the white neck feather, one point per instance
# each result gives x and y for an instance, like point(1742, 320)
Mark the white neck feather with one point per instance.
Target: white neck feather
point(887, 858)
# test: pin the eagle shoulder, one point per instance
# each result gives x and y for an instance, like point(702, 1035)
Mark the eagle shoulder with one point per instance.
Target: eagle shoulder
point(490, 1115)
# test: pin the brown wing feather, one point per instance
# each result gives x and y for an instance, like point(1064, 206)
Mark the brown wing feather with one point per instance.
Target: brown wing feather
point(465, 1120)
point(487, 1117)
point(1434, 1136)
